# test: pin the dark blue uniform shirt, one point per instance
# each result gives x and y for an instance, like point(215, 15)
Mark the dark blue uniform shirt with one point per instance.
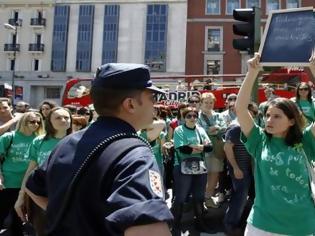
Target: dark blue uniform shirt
point(103, 203)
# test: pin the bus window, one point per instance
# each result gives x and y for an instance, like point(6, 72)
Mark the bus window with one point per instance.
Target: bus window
point(79, 90)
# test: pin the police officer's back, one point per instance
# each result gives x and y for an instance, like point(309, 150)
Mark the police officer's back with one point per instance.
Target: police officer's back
point(123, 198)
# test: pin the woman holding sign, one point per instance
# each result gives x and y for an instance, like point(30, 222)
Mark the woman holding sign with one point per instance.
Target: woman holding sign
point(283, 203)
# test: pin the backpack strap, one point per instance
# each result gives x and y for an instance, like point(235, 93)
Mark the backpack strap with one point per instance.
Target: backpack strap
point(118, 146)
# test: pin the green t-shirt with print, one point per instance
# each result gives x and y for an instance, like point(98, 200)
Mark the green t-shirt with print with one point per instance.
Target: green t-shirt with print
point(283, 202)
point(41, 149)
point(184, 136)
point(308, 109)
point(16, 162)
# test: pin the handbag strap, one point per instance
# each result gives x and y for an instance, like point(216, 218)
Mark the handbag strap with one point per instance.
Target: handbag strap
point(206, 119)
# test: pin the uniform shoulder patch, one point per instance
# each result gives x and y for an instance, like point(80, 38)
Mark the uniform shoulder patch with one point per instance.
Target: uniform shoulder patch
point(156, 183)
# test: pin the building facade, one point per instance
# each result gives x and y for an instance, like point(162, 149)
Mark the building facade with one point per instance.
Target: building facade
point(210, 34)
point(56, 40)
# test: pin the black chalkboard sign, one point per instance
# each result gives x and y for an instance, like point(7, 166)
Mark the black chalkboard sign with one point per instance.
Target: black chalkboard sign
point(289, 38)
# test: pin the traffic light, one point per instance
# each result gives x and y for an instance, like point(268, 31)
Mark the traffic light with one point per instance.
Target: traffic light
point(249, 27)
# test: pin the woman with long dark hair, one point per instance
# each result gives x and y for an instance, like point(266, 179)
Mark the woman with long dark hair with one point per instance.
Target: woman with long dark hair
point(305, 101)
point(283, 203)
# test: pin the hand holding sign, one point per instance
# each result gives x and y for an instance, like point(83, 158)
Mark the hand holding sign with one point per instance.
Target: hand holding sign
point(289, 38)
point(312, 62)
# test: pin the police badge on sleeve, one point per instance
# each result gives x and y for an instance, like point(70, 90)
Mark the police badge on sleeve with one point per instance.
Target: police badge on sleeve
point(156, 183)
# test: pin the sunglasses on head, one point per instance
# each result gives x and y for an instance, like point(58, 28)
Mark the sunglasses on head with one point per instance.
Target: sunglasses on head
point(189, 116)
point(33, 122)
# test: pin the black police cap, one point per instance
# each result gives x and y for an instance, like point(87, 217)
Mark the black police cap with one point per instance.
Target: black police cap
point(124, 76)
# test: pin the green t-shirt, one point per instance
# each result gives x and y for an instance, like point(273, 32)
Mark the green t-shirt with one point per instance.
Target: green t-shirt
point(308, 109)
point(156, 147)
point(185, 136)
point(283, 202)
point(15, 163)
point(40, 149)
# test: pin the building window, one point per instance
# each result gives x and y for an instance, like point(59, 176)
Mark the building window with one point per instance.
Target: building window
point(252, 3)
point(213, 40)
point(60, 38)
point(213, 67)
point(36, 65)
point(12, 65)
point(293, 3)
point(156, 37)
point(272, 5)
point(85, 38)
point(110, 35)
point(213, 7)
point(52, 92)
point(231, 5)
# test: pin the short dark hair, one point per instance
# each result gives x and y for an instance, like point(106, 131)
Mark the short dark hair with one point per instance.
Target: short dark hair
point(189, 109)
point(107, 101)
point(290, 109)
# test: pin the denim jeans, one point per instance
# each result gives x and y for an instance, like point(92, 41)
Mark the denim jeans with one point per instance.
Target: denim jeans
point(186, 184)
point(238, 200)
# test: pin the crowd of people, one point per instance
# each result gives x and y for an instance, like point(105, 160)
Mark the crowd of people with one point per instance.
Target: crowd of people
point(247, 154)
point(28, 136)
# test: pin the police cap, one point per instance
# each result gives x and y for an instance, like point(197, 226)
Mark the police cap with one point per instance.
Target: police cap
point(124, 76)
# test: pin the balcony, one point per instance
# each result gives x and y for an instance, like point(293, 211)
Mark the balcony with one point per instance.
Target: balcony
point(11, 47)
point(38, 22)
point(35, 47)
point(15, 22)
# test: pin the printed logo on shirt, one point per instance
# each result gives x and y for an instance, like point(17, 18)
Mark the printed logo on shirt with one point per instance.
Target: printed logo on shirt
point(155, 183)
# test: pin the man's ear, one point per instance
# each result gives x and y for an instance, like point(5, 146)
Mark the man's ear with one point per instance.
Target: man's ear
point(129, 105)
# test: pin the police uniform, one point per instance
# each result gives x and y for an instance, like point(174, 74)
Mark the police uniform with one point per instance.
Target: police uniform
point(108, 203)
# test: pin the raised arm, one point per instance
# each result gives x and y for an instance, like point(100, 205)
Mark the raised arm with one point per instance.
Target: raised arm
point(243, 97)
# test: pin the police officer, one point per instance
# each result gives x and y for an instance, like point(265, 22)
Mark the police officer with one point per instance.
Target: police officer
point(127, 198)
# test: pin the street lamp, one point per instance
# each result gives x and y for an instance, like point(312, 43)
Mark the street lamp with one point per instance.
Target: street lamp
point(14, 28)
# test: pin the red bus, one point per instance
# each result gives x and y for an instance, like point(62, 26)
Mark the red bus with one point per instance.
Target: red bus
point(283, 81)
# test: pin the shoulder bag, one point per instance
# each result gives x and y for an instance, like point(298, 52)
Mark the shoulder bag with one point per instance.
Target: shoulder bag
point(194, 165)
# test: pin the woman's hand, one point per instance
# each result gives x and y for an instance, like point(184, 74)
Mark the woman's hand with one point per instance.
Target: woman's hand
point(253, 64)
point(312, 62)
point(197, 148)
point(238, 173)
point(20, 208)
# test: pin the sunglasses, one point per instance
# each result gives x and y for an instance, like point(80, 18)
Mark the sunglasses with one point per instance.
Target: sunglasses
point(231, 99)
point(193, 101)
point(189, 116)
point(33, 122)
point(303, 89)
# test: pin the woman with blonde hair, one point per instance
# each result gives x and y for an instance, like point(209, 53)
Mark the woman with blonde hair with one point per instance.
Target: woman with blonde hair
point(13, 146)
point(57, 126)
